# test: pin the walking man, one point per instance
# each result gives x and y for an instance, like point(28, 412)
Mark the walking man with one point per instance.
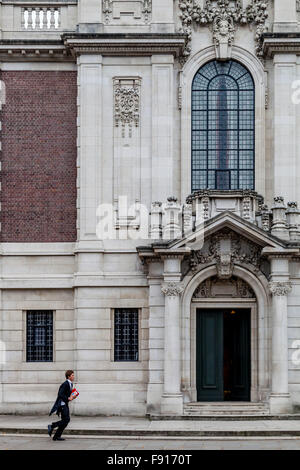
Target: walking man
point(61, 406)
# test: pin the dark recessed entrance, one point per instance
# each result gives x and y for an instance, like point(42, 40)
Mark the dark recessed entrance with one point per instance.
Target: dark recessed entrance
point(223, 355)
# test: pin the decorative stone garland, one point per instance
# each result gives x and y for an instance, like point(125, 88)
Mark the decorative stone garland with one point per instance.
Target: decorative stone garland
point(224, 19)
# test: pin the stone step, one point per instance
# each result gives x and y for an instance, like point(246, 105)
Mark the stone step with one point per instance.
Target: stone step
point(226, 409)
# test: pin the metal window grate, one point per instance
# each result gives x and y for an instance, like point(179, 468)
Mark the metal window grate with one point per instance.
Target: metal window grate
point(126, 335)
point(39, 344)
point(223, 127)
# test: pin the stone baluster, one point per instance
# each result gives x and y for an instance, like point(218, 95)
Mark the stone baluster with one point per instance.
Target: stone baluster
point(29, 17)
point(156, 221)
point(265, 218)
point(45, 18)
point(171, 228)
point(293, 221)
point(279, 225)
point(187, 218)
point(247, 210)
point(37, 18)
point(52, 19)
point(202, 210)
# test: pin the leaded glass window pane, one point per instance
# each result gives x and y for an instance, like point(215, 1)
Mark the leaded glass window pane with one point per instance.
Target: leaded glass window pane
point(39, 336)
point(126, 335)
point(223, 132)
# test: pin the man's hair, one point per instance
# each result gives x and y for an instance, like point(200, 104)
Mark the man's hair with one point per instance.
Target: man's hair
point(69, 373)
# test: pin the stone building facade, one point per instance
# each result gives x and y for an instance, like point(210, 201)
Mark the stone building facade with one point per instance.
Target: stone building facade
point(150, 232)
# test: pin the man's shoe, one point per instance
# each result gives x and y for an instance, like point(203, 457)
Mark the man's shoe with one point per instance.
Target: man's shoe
point(50, 429)
point(58, 439)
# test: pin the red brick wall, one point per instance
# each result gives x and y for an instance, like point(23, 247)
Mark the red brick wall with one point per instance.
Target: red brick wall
point(38, 175)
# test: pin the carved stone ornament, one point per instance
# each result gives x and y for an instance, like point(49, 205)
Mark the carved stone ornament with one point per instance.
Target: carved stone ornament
point(216, 288)
point(224, 265)
point(138, 9)
point(280, 288)
point(226, 248)
point(224, 15)
point(127, 103)
point(172, 289)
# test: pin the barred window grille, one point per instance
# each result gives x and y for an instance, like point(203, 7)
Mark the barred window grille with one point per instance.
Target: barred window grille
point(126, 335)
point(39, 347)
point(223, 127)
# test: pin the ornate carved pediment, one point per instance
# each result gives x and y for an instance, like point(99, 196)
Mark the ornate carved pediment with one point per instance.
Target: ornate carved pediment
point(224, 16)
point(225, 248)
point(231, 288)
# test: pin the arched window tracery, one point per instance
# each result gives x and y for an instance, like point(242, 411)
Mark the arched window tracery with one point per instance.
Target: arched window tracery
point(223, 127)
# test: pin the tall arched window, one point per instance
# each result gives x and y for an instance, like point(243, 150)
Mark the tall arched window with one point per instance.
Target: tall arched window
point(223, 118)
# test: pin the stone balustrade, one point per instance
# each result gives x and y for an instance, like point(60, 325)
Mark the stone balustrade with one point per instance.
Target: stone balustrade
point(34, 19)
point(43, 18)
point(172, 220)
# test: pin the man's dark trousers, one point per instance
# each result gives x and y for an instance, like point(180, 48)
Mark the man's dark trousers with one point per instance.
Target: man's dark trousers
point(63, 423)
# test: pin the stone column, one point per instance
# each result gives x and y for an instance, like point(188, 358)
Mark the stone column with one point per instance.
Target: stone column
point(172, 399)
point(285, 16)
point(280, 287)
point(285, 130)
point(156, 339)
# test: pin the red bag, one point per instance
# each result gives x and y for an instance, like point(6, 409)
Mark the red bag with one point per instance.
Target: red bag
point(74, 393)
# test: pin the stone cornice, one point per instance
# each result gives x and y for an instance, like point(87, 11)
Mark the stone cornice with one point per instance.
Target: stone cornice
point(273, 253)
point(34, 50)
point(274, 43)
point(152, 254)
point(130, 44)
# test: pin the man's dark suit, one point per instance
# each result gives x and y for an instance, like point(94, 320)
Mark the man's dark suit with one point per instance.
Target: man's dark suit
point(64, 393)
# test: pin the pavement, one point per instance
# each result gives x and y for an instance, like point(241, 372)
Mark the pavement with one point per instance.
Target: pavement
point(153, 446)
point(126, 427)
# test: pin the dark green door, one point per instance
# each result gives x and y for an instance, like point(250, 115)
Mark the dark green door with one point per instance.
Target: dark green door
point(237, 350)
point(223, 355)
point(209, 361)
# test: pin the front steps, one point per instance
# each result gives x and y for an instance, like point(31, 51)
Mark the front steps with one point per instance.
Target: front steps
point(225, 409)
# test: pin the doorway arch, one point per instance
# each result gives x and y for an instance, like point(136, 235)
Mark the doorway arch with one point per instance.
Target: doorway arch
point(259, 307)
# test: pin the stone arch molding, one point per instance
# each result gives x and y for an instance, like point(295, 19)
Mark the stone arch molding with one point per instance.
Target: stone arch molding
point(262, 367)
point(255, 67)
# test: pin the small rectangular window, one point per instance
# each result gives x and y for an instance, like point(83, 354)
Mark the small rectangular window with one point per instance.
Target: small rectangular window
point(39, 336)
point(126, 329)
